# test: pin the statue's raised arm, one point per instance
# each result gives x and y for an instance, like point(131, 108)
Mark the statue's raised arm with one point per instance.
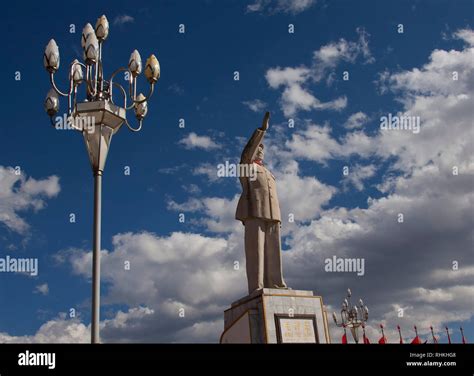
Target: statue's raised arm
point(250, 151)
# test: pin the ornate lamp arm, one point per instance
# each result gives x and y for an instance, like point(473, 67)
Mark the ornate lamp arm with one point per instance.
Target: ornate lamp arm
point(51, 78)
point(124, 93)
point(140, 122)
point(133, 95)
point(144, 99)
point(86, 67)
point(111, 83)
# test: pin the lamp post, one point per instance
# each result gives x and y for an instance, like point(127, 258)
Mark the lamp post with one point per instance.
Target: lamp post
point(352, 317)
point(98, 117)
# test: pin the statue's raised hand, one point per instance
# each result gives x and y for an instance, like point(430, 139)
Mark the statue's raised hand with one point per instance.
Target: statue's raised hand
point(265, 122)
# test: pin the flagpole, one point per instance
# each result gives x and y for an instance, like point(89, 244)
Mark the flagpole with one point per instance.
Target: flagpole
point(449, 337)
point(364, 337)
point(432, 335)
point(400, 334)
point(462, 333)
point(383, 340)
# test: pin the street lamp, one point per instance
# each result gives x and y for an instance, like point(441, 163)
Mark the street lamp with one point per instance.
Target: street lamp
point(98, 117)
point(352, 316)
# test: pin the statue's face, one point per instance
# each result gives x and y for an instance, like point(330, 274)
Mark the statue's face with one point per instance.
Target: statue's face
point(260, 153)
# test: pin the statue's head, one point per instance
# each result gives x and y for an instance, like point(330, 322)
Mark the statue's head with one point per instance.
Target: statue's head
point(259, 154)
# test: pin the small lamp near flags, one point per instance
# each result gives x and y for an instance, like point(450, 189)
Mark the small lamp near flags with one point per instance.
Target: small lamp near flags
point(352, 317)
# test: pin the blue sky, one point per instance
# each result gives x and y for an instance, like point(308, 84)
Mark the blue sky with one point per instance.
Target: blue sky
point(197, 84)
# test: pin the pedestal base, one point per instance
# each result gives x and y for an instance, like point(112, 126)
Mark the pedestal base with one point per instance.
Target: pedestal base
point(276, 316)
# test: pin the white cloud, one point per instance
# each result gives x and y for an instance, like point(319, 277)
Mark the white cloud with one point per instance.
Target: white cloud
point(288, 76)
point(19, 193)
point(64, 330)
point(167, 273)
point(280, 6)
point(207, 169)
point(124, 326)
point(465, 274)
point(436, 77)
point(59, 330)
point(296, 95)
point(191, 205)
point(295, 191)
point(173, 169)
point(191, 188)
point(330, 55)
point(218, 214)
point(193, 141)
point(42, 289)
point(357, 175)
point(123, 19)
point(443, 106)
point(255, 105)
point(465, 34)
point(316, 143)
point(356, 120)
point(294, 98)
point(313, 143)
point(429, 93)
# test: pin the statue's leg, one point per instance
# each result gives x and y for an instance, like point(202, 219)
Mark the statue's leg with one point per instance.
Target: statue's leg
point(273, 268)
point(254, 253)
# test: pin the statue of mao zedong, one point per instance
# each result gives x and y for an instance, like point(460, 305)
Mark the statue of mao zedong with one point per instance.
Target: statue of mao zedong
point(259, 211)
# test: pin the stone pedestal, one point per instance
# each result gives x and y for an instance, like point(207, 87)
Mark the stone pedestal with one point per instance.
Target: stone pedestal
point(276, 316)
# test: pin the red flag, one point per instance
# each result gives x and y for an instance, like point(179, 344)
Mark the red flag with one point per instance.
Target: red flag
point(383, 340)
point(463, 339)
point(449, 337)
point(366, 340)
point(400, 334)
point(416, 340)
point(344, 337)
